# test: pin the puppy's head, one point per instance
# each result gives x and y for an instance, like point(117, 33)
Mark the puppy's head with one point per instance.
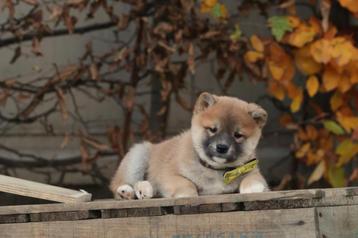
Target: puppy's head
point(226, 130)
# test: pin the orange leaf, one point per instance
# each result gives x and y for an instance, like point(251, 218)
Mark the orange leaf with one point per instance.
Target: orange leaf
point(304, 61)
point(344, 83)
point(294, 21)
point(320, 51)
point(286, 120)
point(253, 56)
point(336, 101)
point(353, 71)
point(300, 153)
point(330, 78)
point(349, 123)
point(257, 43)
point(311, 132)
point(207, 5)
point(276, 90)
point(276, 70)
point(301, 36)
point(341, 50)
point(297, 101)
point(279, 63)
point(312, 85)
point(351, 5)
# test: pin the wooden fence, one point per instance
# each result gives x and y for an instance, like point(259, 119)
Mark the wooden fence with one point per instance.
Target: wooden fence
point(322, 213)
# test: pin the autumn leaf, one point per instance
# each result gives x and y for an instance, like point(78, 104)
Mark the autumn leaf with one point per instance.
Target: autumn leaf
point(312, 85)
point(346, 151)
point(311, 132)
point(305, 62)
point(279, 26)
point(344, 83)
point(341, 50)
point(320, 51)
point(256, 43)
point(303, 150)
point(301, 36)
point(336, 176)
point(276, 70)
point(297, 101)
point(336, 101)
point(317, 173)
point(294, 21)
point(279, 63)
point(253, 56)
point(207, 5)
point(236, 35)
point(349, 123)
point(351, 5)
point(333, 127)
point(276, 90)
point(330, 78)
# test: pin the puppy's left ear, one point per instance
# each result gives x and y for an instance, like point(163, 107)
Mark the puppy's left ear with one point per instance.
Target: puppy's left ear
point(204, 101)
point(258, 114)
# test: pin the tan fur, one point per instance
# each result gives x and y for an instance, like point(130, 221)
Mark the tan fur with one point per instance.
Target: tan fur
point(174, 169)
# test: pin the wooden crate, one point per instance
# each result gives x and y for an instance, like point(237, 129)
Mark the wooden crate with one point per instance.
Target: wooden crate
point(300, 213)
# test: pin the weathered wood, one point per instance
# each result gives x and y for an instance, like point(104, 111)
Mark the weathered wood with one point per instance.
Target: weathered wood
point(42, 191)
point(269, 223)
point(339, 222)
point(321, 197)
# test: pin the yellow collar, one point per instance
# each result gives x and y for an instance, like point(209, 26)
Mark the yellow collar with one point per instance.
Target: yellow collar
point(231, 175)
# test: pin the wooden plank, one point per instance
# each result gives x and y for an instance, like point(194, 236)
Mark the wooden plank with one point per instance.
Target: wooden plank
point(270, 223)
point(43, 191)
point(330, 197)
point(339, 222)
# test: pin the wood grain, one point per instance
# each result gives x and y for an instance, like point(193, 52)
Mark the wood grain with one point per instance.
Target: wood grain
point(43, 191)
point(320, 197)
point(270, 223)
point(339, 221)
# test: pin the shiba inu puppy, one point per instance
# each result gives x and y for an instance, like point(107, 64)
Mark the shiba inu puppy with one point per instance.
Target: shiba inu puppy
point(216, 156)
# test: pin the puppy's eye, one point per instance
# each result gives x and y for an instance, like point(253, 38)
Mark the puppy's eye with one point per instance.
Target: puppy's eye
point(212, 129)
point(237, 135)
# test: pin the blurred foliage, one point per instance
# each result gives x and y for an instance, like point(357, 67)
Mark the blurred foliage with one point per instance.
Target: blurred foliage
point(309, 65)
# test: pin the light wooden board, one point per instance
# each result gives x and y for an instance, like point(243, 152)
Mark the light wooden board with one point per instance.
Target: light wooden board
point(41, 191)
point(339, 222)
point(331, 197)
point(253, 224)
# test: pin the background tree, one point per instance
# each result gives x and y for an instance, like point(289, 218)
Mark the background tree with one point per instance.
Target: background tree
point(308, 63)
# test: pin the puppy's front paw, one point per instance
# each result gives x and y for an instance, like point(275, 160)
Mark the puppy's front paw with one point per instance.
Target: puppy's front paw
point(253, 186)
point(124, 192)
point(143, 190)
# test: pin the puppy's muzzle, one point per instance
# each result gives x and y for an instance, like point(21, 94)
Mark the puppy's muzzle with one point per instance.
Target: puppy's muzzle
point(222, 148)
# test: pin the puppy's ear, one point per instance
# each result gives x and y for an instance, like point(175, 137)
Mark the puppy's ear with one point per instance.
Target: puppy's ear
point(258, 114)
point(204, 101)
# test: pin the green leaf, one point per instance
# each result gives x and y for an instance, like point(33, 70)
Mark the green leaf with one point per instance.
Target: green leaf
point(333, 127)
point(346, 150)
point(279, 26)
point(336, 176)
point(236, 35)
point(216, 11)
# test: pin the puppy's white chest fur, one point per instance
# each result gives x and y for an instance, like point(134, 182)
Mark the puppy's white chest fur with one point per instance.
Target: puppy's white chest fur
point(208, 181)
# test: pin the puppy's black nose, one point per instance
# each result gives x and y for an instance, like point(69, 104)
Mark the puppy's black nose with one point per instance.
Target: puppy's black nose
point(221, 148)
